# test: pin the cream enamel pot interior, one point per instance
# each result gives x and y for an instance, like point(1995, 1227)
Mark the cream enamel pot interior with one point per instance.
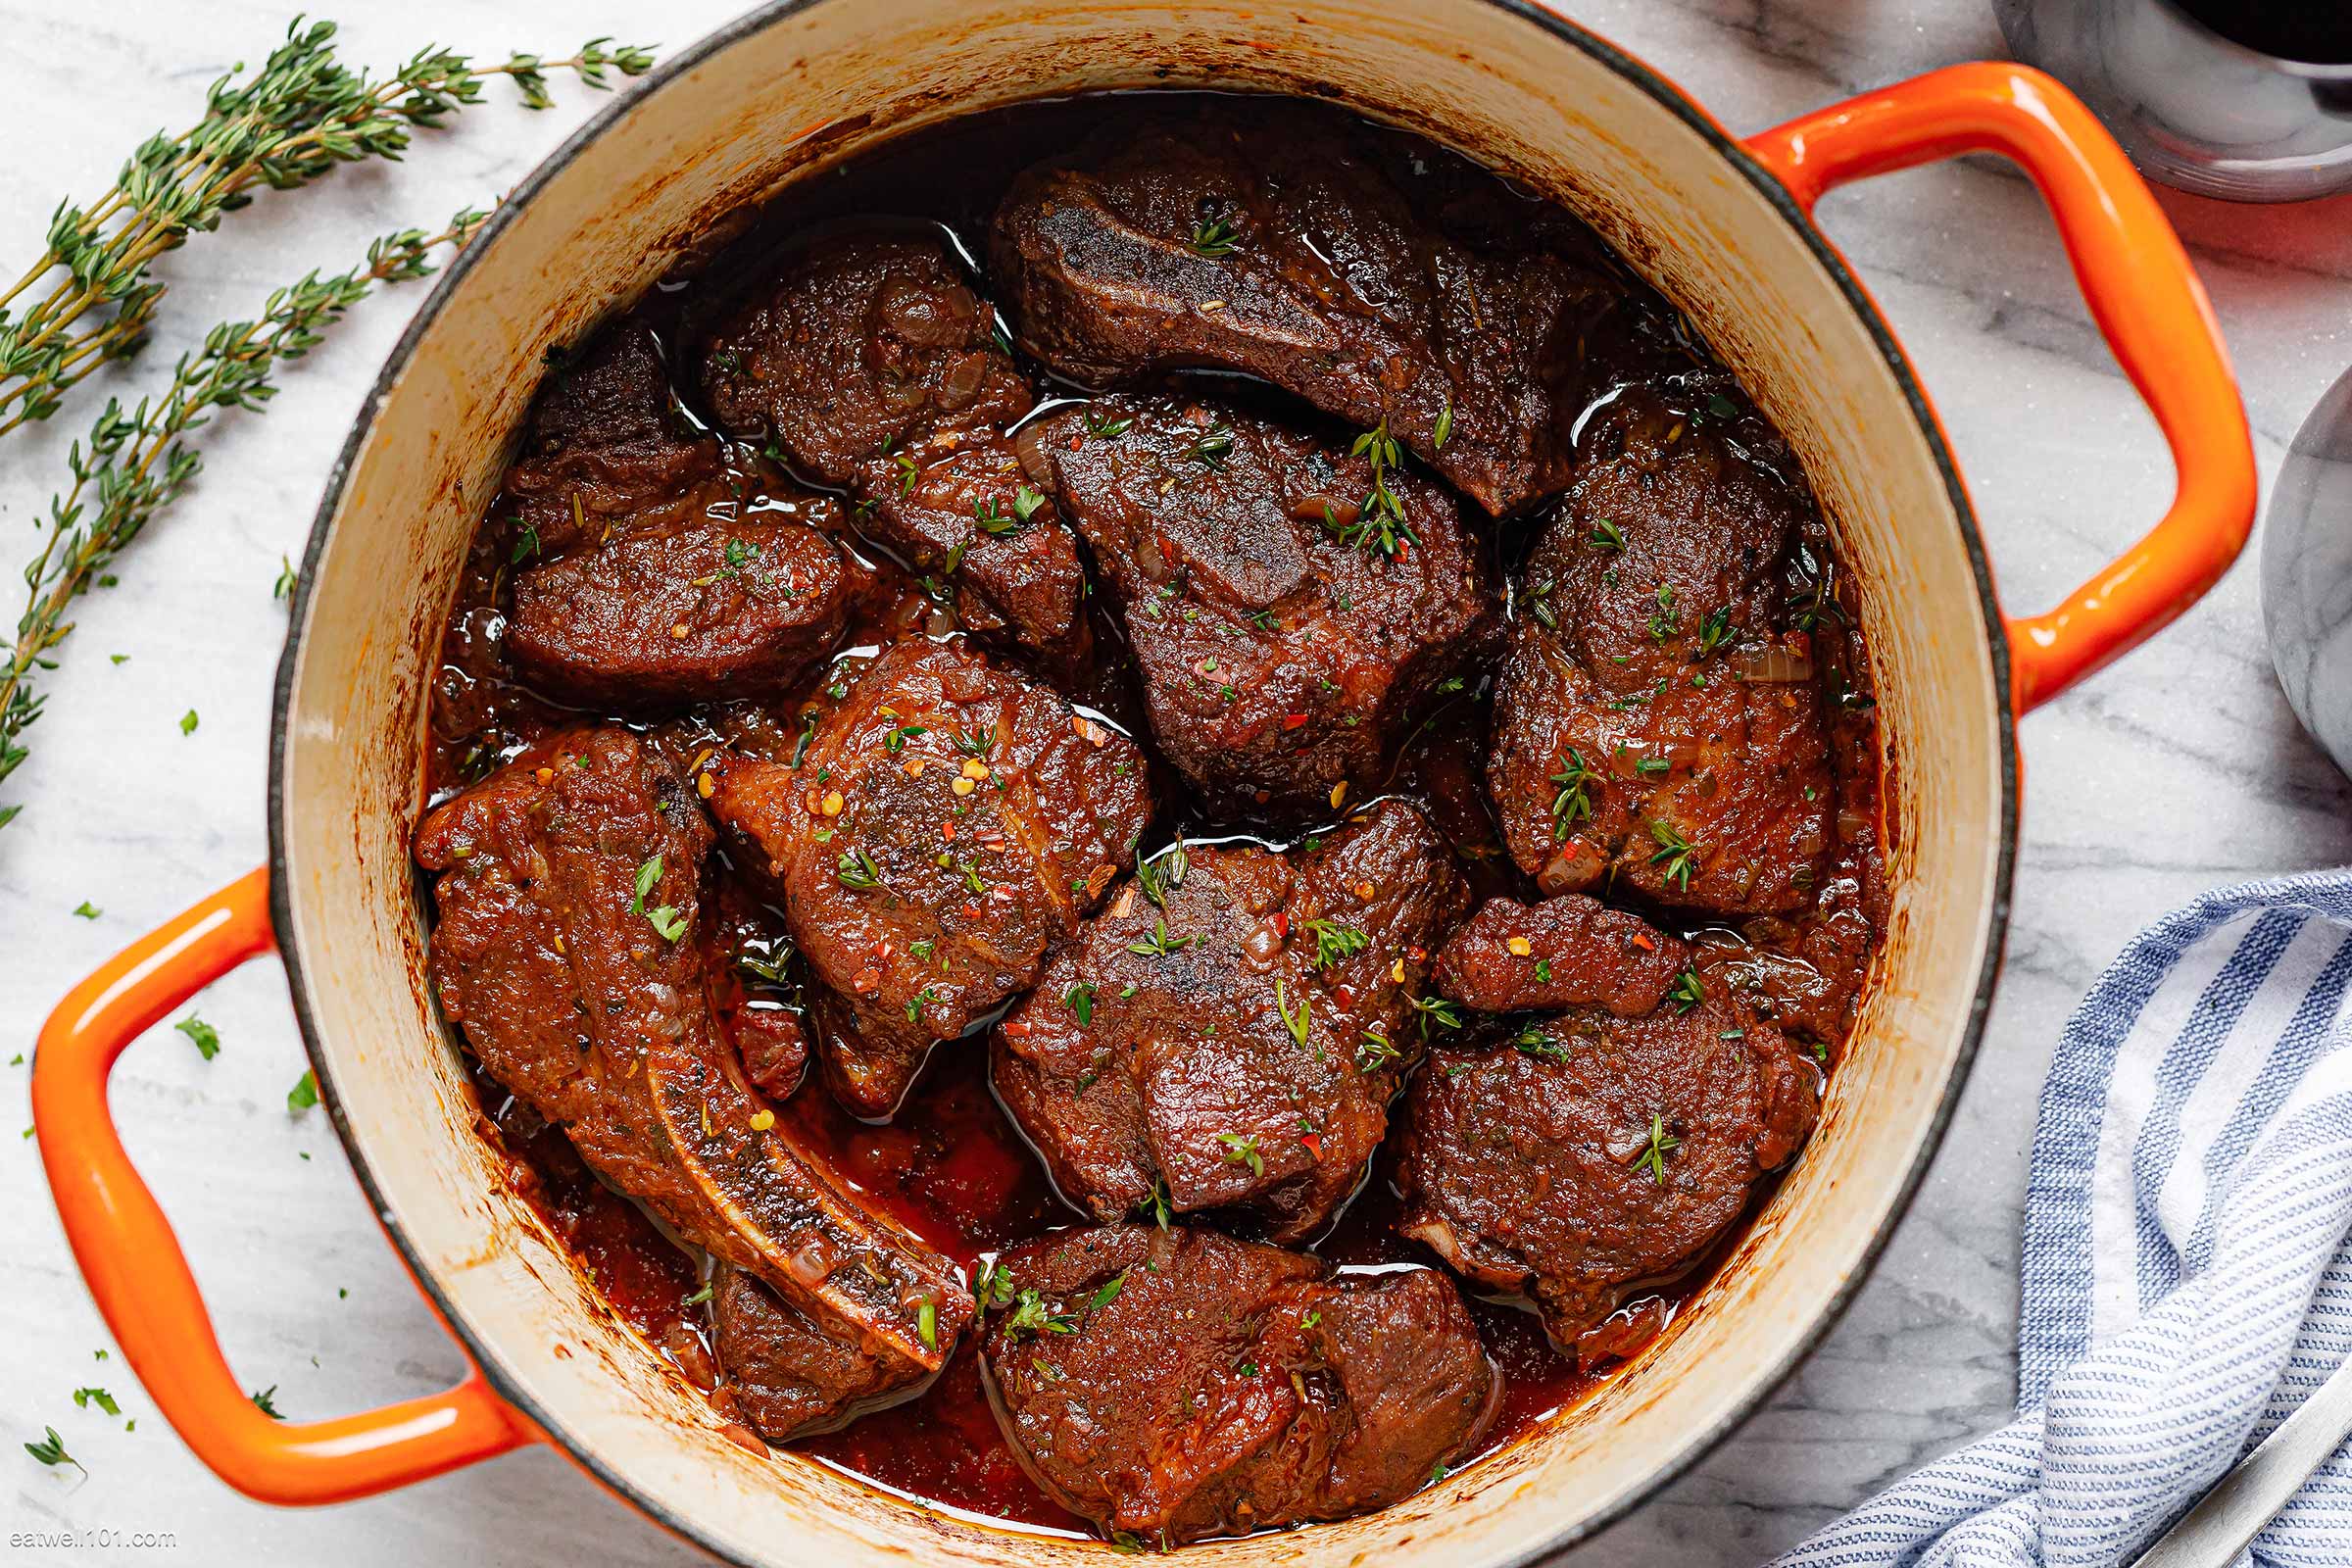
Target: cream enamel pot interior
point(1719, 226)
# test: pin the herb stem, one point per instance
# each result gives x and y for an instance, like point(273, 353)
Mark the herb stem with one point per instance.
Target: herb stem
point(116, 474)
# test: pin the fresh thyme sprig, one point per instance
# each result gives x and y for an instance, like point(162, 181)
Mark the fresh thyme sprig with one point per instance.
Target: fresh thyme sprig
point(135, 461)
point(289, 123)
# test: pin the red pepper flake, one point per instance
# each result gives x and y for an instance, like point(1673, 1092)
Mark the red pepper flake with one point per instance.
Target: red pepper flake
point(1292, 721)
point(946, 830)
point(1641, 941)
point(1313, 1143)
point(1281, 924)
point(1016, 1028)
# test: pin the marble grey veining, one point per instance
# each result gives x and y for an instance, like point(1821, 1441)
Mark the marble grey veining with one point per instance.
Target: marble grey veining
point(2178, 769)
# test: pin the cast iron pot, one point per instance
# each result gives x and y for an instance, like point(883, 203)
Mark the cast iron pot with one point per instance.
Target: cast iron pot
point(1718, 223)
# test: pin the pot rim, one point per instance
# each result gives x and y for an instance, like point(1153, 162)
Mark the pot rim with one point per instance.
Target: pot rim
point(1662, 90)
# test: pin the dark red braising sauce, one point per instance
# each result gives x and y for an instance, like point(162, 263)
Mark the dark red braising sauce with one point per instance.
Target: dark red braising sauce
point(953, 1168)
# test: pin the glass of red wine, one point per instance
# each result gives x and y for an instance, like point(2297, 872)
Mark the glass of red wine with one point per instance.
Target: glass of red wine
point(2247, 100)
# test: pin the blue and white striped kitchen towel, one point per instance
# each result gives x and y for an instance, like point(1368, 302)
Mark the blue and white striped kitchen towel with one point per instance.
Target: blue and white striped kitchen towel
point(2186, 1275)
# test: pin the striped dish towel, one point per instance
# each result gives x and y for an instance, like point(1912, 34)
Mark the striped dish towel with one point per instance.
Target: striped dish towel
point(2186, 1278)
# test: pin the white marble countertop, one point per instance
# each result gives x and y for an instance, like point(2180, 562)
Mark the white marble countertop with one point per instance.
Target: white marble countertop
point(2180, 769)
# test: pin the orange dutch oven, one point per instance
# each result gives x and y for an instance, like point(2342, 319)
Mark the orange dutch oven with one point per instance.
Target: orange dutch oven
point(1719, 222)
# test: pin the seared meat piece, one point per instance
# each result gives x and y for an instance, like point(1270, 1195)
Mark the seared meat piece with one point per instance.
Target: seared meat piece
point(570, 891)
point(755, 984)
point(949, 821)
point(1656, 719)
point(1231, 1031)
point(859, 347)
point(1559, 954)
point(870, 363)
point(773, 1044)
point(1175, 1384)
point(1289, 627)
point(706, 610)
point(790, 1374)
point(1588, 1152)
point(967, 514)
point(606, 453)
point(1376, 278)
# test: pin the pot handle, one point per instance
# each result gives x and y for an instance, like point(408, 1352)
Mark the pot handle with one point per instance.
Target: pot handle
point(2141, 291)
point(140, 1278)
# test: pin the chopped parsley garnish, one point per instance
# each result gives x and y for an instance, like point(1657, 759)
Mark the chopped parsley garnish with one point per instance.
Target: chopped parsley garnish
point(1335, 942)
point(994, 1287)
point(1532, 1041)
point(1606, 535)
point(1157, 879)
point(1664, 620)
point(1375, 1053)
point(53, 1451)
point(1687, 992)
point(897, 738)
point(283, 588)
point(915, 1002)
point(1661, 1144)
point(1716, 630)
point(205, 1037)
point(1079, 999)
point(266, 1402)
point(1574, 802)
point(1160, 943)
point(1380, 520)
point(527, 544)
point(856, 871)
point(1240, 1149)
point(1676, 855)
point(1434, 1010)
point(1104, 1295)
point(1030, 1317)
point(85, 1398)
point(1445, 430)
point(1213, 237)
point(304, 1095)
point(187, 722)
point(1213, 445)
point(1299, 1025)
